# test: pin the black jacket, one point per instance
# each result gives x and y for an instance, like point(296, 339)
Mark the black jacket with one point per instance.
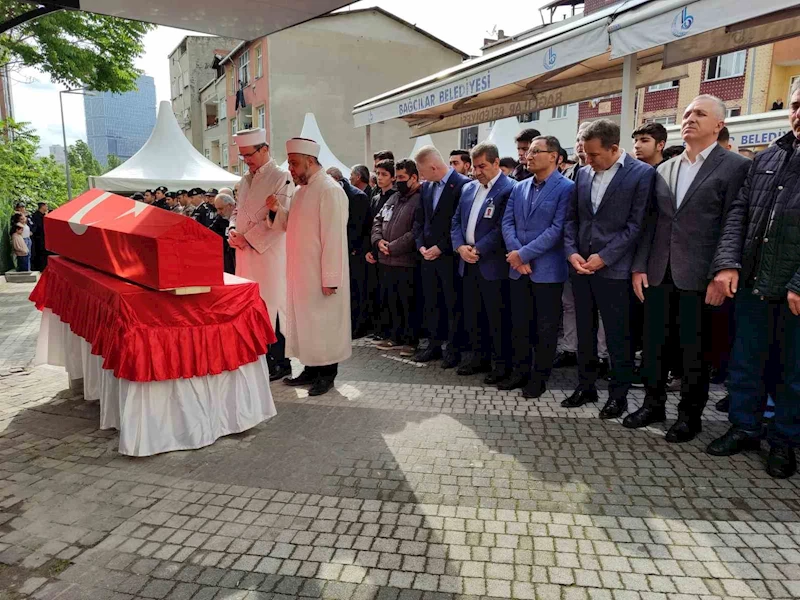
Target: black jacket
point(432, 227)
point(521, 173)
point(204, 214)
point(376, 203)
point(357, 216)
point(762, 231)
point(220, 226)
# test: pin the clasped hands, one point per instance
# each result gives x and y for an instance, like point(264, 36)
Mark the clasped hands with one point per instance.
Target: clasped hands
point(431, 253)
point(513, 259)
point(586, 267)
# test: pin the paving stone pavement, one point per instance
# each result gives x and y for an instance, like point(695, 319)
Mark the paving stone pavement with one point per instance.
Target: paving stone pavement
point(406, 483)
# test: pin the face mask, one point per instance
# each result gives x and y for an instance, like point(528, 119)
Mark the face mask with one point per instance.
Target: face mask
point(402, 187)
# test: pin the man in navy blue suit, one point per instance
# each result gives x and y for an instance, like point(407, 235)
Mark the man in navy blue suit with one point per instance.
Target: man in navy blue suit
point(533, 230)
point(478, 239)
point(603, 227)
point(440, 196)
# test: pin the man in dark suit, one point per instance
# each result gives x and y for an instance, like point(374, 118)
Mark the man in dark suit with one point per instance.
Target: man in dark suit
point(672, 270)
point(602, 228)
point(440, 197)
point(533, 230)
point(356, 222)
point(379, 320)
point(477, 237)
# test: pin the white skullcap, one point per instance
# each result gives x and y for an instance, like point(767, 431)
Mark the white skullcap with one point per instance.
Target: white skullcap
point(250, 137)
point(302, 146)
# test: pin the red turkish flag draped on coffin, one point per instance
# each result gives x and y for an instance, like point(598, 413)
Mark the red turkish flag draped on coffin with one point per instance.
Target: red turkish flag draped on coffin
point(135, 241)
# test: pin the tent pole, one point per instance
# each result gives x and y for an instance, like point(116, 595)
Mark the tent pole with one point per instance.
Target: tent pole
point(368, 145)
point(628, 117)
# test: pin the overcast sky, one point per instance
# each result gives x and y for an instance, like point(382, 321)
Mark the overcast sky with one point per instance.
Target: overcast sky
point(462, 24)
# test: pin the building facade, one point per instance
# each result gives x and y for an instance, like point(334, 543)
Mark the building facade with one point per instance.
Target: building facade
point(283, 76)
point(120, 124)
point(192, 64)
point(57, 153)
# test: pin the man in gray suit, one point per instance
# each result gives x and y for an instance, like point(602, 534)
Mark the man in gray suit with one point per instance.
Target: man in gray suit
point(671, 272)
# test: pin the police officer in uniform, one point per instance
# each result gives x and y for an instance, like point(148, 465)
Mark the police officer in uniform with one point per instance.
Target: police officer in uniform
point(205, 213)
point(161, 198)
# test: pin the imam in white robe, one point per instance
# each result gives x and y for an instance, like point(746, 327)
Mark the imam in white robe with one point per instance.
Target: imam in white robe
point(317, 327)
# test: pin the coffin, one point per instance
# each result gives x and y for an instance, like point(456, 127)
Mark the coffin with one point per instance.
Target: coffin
point(135, 241)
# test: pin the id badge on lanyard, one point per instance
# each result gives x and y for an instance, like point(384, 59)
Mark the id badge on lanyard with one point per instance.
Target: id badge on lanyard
point(489, 210)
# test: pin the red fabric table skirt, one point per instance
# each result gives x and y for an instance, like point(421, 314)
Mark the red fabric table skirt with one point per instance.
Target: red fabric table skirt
point(145, 335)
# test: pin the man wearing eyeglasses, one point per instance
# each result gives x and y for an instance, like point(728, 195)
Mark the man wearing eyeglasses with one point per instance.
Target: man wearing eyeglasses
point(602, 229)
point(260, 248)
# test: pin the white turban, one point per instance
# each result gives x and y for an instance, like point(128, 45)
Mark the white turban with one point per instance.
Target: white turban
point(303, 146)
point(250, 137)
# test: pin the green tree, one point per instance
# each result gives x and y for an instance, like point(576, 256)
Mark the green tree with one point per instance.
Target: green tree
point(113, 162)
point(25, 176)
point(75, 48)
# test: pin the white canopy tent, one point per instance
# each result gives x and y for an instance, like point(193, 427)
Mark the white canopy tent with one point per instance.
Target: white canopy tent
point(423, 140)
point(502, 135)
point(326, 156)
point(167, 158)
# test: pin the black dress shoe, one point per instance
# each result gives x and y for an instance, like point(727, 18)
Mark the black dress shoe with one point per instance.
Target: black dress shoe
point(614, 408)
point(280, 373)
point(321, 386)
point(724, 405)
point(781, 462)
point(579, 398)
point(305, 378)
point(472, 368)
point(495, 377)
point(647, 415)
point(534, 389)
point(450, 360)
point(513, 382)
point(564, 360)
point(733, 442)
point(428, 354)
point(683, 431)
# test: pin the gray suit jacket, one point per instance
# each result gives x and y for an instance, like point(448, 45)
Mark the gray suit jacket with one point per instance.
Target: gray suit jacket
point(686, 238)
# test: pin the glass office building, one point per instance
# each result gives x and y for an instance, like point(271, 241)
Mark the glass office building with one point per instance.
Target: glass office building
point(120, 124)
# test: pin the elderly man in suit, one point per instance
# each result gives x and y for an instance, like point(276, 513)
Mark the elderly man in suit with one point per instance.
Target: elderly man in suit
point(441, 193)
point(533, 230)
point(672, 271)
point(478, 239)
point(601, 232)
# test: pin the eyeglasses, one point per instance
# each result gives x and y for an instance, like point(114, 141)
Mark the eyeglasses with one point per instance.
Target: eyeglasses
point(535, 151)
point(249, 154)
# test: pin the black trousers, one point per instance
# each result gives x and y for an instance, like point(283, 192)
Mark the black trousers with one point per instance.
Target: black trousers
point(324, 372)
point(276, 354)
point(611, 298)
point(397, 284)
point(359, 314)
point(535, 315)
point(663, 304)
point(486, 316)
point(378, 322)
point(440, 288)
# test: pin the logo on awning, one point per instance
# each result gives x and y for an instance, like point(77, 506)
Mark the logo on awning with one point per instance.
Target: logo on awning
point(682, 23)
point(549, 60)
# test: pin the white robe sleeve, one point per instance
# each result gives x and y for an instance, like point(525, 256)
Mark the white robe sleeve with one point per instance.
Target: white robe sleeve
point(333, 232)
point(263, 235)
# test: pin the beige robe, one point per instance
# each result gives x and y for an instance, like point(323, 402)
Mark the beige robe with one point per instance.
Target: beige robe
point(265, 261)
point(317, 326)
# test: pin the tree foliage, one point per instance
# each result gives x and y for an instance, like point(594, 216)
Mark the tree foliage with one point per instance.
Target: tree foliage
point(113, 162)
point(75, 48)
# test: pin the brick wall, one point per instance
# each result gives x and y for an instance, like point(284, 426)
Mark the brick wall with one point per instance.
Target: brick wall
point(605, 108)
point(661, 100)
point(731, 88)
point(591, 6)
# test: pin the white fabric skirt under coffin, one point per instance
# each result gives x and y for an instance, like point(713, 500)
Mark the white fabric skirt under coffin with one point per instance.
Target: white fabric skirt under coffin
point(160, 416)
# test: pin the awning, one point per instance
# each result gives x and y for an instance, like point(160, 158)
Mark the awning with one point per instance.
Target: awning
point(659, 23)
point(494, 75)
point(238, 19)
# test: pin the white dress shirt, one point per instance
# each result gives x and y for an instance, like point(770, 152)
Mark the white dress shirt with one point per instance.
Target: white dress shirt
point(688, 170)
point(475, 212)
point(602, 179)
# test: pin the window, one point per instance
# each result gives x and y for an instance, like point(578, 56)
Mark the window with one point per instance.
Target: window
point(262, 114)
point(670, 120)
point(727, 65)
point(469, 137)
point(667, 85)
point(244, 67)
point(529, 117)
point(732, 112)
point(207, 153)
point(225, 154)
point(233, 126)
point(259, 67)
point(223, 108)
point(560, 112)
